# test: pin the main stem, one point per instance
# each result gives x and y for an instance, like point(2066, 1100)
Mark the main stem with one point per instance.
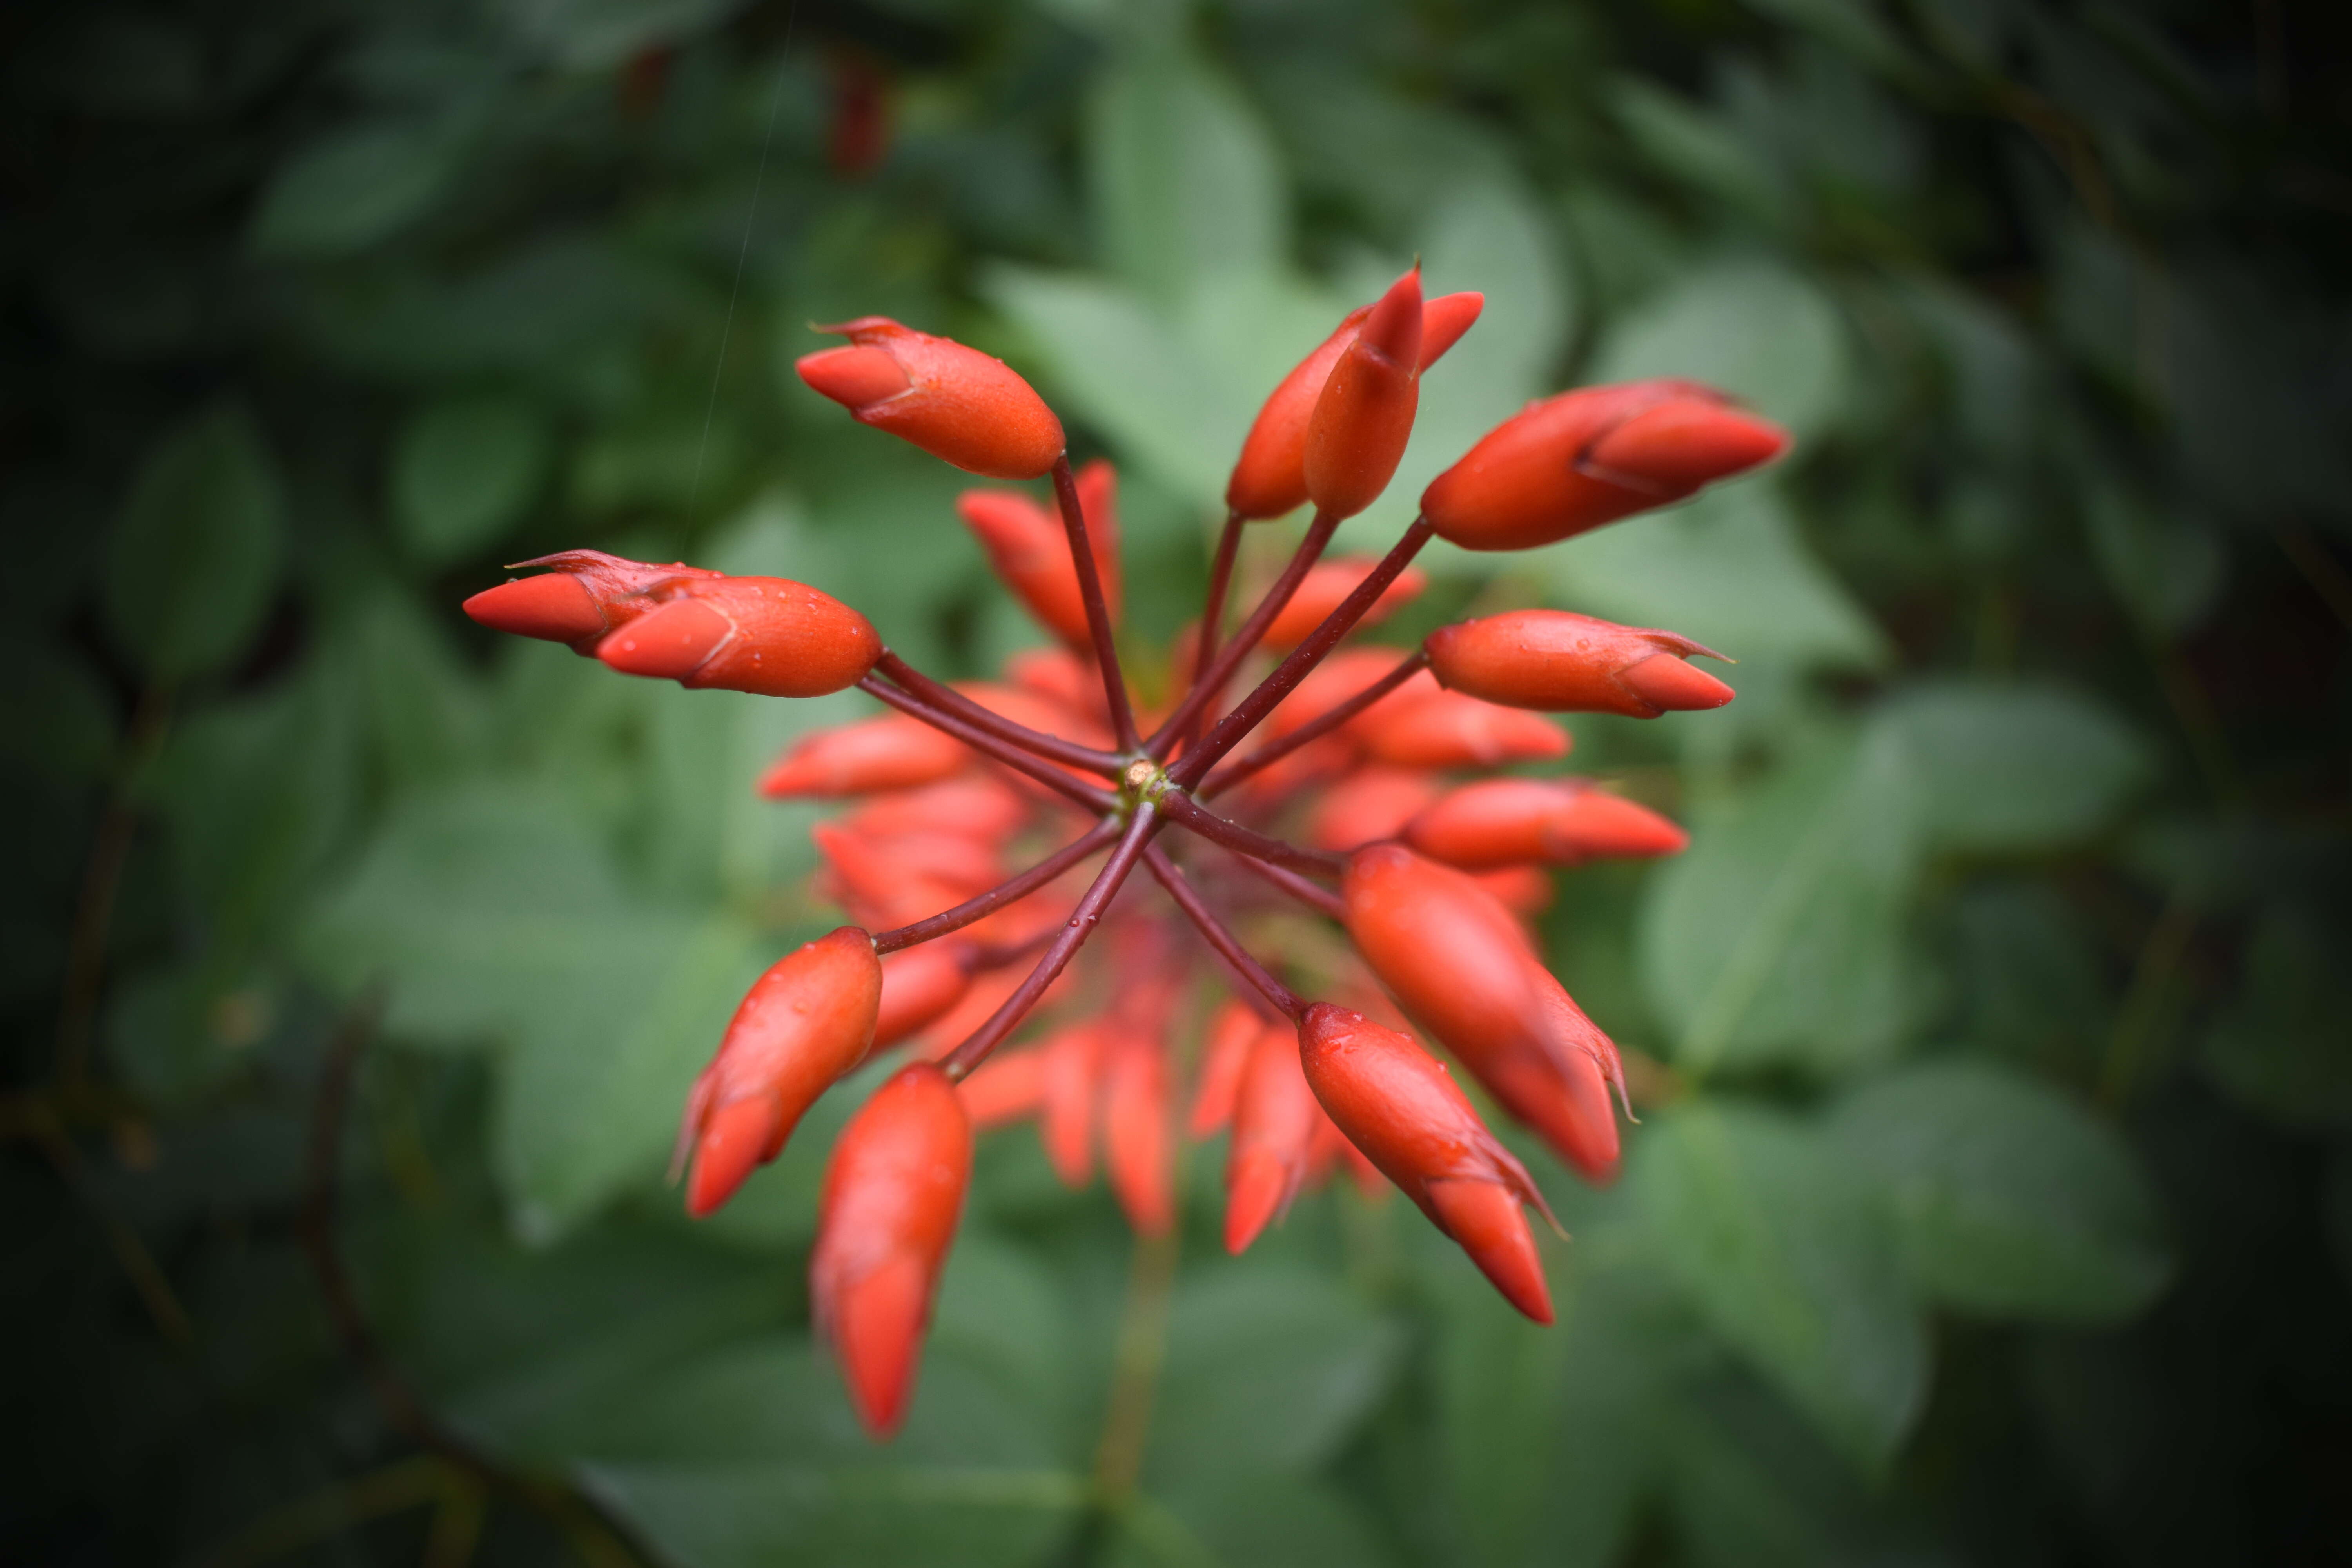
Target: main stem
point(1185, 812)
point(1081, 925)
point(1037, 742)
point(1213, 609)
point(1314, 729)
point(1220, 936)
point(1253, 631)
point(1100, 802)
point(1012, 891)
point(1082, 556)
point(1253, 709)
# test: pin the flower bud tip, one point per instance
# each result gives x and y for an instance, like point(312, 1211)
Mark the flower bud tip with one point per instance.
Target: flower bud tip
point(555, 607)
point(1485, 1218)
point(853, 376)
point(670, 643)
point(732, 1145)
point(1676, 686)
point(1258, 1187)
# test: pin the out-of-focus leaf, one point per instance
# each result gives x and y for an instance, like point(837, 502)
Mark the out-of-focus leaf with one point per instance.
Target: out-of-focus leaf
point(463, 472)
point(1771, 1229)
point(2165, 569)
point(259, 796)
point(1778, 935)
point(1696, 146)
point(593, 35)
point(2009, 767)
point(1728, 569)
point(1850, 25)
point(427, 715)
point(358, 186)
point(1752, 328)
point(496, 921)
point(2284, 1048)
point(1268, 1368)
point(2007, 1199)
point(55, 717)
point(1262, 1517)
point(197, 550)
point(1185, 182)
point(878, 1515)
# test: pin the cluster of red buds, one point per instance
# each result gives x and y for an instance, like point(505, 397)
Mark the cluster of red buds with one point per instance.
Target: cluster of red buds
point(1349, 806)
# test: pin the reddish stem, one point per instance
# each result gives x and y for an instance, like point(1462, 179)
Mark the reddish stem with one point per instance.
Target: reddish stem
point(1253, 631)
point(1219, 936)
point(1212, 610)
point(1072, 936)
point(1314, 729)
point(1253, 709)
point(1082, 556)
point(1322, 899)
point(946, 698)
point(1010, 891)
point(1100, 802)
point(1185, 812)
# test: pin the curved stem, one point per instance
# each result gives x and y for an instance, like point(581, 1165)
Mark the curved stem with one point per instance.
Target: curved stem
point(1074, 933)
point(1253, 631)
point(1253, 709)
point(1100, 802)
point(1322, 899)
point(1185, 812)
point(1314, 729)
point(979, 906)
point(1037, 742)
point(1082, 556)
point(1220, 936)
point(1213, 609)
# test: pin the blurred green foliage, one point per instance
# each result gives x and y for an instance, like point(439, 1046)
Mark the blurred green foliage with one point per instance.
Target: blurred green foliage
point(1996, 1201)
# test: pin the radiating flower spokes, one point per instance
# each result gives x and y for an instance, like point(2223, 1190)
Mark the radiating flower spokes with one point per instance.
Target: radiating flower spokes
point(1361, 802)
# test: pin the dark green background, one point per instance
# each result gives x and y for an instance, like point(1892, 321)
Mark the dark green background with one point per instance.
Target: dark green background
point(1995, 1204)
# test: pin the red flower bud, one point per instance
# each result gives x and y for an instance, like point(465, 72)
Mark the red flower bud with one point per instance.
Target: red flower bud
point(1010, 1086)
point(1275, 1117)
point(1320, 591)
point(1368, 805)
point(891, 753)
point(1565, 663)
point(953, 402)
point(1136, 1143)
point(1522, 890)
point(1395, 1102)
point(893, 1192)
point(1592, 456)
point(1232, 1030)
point(764, 635)
point(919, 985)
point(1458, 962)
point(584, 595)
point(1030, 550)
point(1057, 675)
point(805, 1022)
point(973, 805)
point(1073, 1069)
point(1270, 478)
point(1435, 728)
point(1339, 677)
point(1364, 418)
point(1561, 822)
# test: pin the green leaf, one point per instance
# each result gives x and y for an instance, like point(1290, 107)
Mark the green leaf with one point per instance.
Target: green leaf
point(1699, 147)
point(497, 918)
point(1752, 328)
point(1248, 1518)
point(196, 553)
point(1778, 935)
point(2281, 1049)
point(1184, 180)
point(464, 470)
point(2008, 1198)
point(1268, 1368)
point(2166, 570)
point(1729, 569)
point(357, 185)
point(2010, 767)
point(1773, 1231)
point(55, 717)
point(596, 35)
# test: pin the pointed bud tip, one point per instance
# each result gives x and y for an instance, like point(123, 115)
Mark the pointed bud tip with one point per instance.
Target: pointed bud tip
point(734, 1140)
point(877, 1326)
point(1393, 329)
point(1668, 682)
point(668, 644)
point(1484, 1219)
point(556, 608)
point(856, 377)
point(1255, 1187)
